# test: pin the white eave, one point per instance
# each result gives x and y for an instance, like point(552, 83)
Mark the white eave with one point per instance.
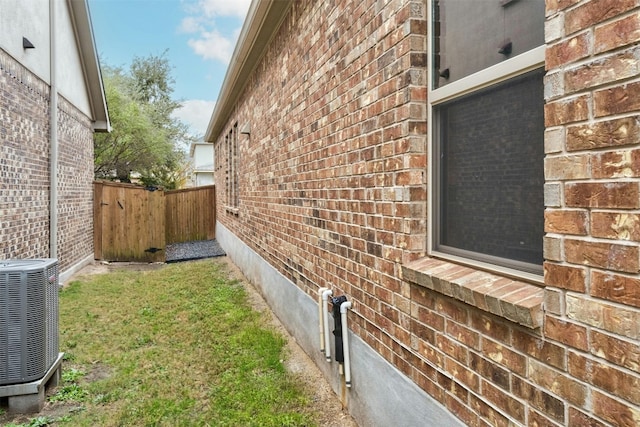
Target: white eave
point(192, 148)
point(90, 64)
point(263, 20)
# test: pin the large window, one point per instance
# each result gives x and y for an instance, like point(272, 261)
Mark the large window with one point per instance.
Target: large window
point(487, 146)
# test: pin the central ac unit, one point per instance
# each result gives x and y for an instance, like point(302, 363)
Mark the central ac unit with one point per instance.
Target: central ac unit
point(28, 319)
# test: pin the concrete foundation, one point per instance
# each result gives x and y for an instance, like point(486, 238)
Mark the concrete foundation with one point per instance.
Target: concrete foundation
point(29, 397)
point(380, 394)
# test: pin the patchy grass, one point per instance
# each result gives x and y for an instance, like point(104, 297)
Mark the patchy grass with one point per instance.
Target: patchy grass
point(178, 346)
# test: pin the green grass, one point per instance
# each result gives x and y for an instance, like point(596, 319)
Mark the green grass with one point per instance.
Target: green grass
point(178, 346)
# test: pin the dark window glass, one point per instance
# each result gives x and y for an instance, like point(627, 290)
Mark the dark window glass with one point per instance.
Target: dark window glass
point(471, 35)
point(491, 173)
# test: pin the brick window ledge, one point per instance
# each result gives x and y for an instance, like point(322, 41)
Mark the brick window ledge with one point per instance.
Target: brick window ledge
point(511, 299)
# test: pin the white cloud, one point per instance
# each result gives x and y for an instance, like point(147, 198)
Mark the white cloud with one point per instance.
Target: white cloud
point(190, 24)
point(212, 45)
point(224, 7)
point(195, 113)
point(205, 19)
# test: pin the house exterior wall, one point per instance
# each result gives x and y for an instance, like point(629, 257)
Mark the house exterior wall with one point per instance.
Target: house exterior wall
point(591, 246)
point(202, 159)
point(30, 19)
point(203, 178)
point(333, 193)
point(24, 170)
point(202, 155)
point(24, 189)
point(75, 186)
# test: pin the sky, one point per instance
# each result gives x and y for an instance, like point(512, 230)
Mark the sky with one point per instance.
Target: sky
point(198, 37)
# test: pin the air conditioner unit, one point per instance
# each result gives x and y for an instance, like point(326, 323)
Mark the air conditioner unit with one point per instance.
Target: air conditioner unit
point(28, 319)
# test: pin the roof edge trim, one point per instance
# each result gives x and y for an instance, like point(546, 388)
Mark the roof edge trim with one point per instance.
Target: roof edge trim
point(90, 64)
point(260, 26)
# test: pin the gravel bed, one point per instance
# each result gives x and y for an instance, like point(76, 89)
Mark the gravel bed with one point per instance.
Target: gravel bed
point(193, 250)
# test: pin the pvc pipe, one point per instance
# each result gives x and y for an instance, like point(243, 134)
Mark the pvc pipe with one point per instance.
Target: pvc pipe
point(345, 342)
point(321, 318)
point(325, 307)
point(53, 136)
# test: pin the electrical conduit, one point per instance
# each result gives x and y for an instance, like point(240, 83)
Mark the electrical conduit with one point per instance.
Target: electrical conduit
point(53, 136)
point(325, 307)
point(345, 342)
point(321, 317)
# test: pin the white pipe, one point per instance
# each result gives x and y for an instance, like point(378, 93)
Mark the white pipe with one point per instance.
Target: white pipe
point(321, 318)
point(53, 136)
point(325, 308)
point(345, 342)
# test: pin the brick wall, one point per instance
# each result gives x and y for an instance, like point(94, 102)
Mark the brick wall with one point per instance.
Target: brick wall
point(75, 185)
point(24, 170)
point(336, 157)
point(333, 189)
point(591, 274)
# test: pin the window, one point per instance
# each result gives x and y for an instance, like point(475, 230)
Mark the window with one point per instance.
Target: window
point(486, 100)
point(232, 192)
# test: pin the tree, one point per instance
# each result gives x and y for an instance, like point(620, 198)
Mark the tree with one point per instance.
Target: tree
point(145, 138)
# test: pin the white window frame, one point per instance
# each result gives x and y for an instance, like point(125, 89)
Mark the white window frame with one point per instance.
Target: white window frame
point(232, 178)
point(512, 67)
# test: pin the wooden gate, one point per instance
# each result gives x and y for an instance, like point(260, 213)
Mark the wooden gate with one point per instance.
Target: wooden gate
point(135, 224)
point(128, 223)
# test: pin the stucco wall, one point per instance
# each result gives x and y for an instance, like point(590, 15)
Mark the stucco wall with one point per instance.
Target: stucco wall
point(30, 19)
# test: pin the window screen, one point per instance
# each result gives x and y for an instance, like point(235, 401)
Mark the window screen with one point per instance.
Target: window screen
point(471, 35)
point(491, 151)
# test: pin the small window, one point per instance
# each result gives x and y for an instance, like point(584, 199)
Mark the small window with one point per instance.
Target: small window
point(235, 189)
point(232, 191)
point(487, 132)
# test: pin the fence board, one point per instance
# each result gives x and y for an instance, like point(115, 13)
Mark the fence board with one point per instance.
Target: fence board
point(190, 214)
point(134, 224)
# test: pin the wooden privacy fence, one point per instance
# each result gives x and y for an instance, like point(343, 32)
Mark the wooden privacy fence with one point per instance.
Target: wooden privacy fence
point(132, 223)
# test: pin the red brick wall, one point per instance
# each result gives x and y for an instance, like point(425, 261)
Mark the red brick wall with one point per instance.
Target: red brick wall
point(24, 170)
point(334, 168)
point(333, 189)
point(593, 260)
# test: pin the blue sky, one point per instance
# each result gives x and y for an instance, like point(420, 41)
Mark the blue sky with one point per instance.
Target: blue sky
point(198, 35)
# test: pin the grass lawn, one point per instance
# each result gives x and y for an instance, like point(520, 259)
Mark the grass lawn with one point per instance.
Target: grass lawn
point(176, 346)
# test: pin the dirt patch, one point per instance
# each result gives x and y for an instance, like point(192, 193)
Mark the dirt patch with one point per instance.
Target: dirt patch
point(102, 267)
point(51, 410)
point(324, 401)
point(98, 372)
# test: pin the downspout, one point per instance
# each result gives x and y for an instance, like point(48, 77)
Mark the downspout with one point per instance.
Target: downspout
point(53, 136)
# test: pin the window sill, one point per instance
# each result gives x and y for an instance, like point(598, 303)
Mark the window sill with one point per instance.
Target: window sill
point(511, 299)
point(231, 210)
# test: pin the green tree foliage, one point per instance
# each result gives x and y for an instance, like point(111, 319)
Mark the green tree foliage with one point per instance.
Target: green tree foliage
point(145, 138)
